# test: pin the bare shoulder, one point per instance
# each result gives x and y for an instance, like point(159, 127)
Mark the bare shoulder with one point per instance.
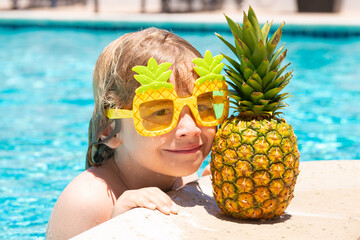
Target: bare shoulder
point(87, 189)
point(86, 202)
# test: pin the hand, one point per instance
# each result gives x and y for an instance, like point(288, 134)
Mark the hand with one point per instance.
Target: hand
point(150, 197)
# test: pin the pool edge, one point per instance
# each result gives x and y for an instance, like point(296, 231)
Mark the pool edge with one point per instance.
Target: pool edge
point(295, 29)
point(310, 215)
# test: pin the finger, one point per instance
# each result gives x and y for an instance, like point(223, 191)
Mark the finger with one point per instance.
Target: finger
point(174, 209)
point(150, 205)
point(136, 198)
point(144, 201)
point(163, 202)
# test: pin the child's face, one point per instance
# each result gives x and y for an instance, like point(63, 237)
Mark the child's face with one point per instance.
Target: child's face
point(177, 153)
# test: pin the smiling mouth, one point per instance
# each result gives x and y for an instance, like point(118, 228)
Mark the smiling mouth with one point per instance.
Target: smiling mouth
point(186, 150)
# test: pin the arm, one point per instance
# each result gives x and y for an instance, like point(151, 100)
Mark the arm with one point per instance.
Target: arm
point(89, 201)
point(85, 203)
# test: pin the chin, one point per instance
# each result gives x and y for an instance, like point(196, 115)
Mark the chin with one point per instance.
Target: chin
point(189, 170)
point(183, 165)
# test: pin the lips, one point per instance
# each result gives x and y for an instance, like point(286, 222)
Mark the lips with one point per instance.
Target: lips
point(186, 149)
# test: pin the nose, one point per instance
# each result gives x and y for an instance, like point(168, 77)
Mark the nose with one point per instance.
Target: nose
point(186, 126)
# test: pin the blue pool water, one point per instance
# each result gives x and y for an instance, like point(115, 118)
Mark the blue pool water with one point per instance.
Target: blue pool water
point(46, 103)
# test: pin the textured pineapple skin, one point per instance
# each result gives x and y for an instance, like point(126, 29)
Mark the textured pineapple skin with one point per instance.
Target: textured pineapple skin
point(254, 166)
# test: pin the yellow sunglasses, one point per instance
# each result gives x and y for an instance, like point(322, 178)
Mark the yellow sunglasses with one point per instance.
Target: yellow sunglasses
point(157, 107)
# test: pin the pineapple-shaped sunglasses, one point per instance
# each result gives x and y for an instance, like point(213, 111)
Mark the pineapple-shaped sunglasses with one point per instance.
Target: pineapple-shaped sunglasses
point(157, 107)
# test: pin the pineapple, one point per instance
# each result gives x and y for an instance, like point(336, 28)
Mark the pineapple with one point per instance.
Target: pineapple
point(255, 157)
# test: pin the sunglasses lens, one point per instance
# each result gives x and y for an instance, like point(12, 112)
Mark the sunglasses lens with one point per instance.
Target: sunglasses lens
point(211, 105)
point(157, 114)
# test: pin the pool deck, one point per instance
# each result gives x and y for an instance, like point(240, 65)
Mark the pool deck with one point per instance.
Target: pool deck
point(325, 206)
point(130, 12)
point(327, 194)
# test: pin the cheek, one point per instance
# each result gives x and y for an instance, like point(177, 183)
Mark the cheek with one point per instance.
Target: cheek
point(208, 134)
point(131, 139)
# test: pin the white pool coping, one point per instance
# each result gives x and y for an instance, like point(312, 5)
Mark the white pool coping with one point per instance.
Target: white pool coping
point(325, 206)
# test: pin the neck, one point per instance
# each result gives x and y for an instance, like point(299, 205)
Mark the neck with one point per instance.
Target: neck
point(133, 176)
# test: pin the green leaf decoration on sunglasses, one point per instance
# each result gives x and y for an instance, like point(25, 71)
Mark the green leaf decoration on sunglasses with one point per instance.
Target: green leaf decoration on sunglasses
point(209, 68)
point(153, 76)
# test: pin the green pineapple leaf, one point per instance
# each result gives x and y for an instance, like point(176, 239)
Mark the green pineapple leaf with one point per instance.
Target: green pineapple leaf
point(274, 40)
point(275, 64)
point(209, 68)
point(247, 73)
point(254, 22)
point(256, 77)
point(216, 63)
point(265, 31)
point(271, 106)
point(235, 64)
point(247, 63)
point(143, 79)
point(249, 36)
point(281, 97)
point(164, 77)
point(201, 63)
point(235, 87)
point(247, 90)
point(142, 70)
point(257, 109)
point(259, 54)
point(231, 47)
point(154, 86)
point(210, 77)
point(234, 73)
point(218, 68)
point(264, 102)
point(282, 70)
point(254, 84)
point(263, 69)
point(201, 71)
point(208, 57)
point(152, 65)
point(272, 93)
point(269, 78)
point(235, 28)
point(162, 68)
point(244, 48)
point(278, 82)
point(153, 76)
point(276, 55)
point(247, 103)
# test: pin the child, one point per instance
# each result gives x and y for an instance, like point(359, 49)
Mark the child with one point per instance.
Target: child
point(127, 168)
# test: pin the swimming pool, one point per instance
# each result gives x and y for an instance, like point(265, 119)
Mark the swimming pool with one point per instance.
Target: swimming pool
point(46, 103)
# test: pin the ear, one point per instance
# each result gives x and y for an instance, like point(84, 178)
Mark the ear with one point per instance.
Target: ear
point(110, 141)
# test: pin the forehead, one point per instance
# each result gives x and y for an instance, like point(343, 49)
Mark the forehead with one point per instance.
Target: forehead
point(183, 77)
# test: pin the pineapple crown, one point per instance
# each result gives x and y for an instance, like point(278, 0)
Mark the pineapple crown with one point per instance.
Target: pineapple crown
point(208, 68)
point(154, 75)
point(256, 76)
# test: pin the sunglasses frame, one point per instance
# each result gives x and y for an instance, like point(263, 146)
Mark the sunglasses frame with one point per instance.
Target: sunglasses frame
point(179, 103)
